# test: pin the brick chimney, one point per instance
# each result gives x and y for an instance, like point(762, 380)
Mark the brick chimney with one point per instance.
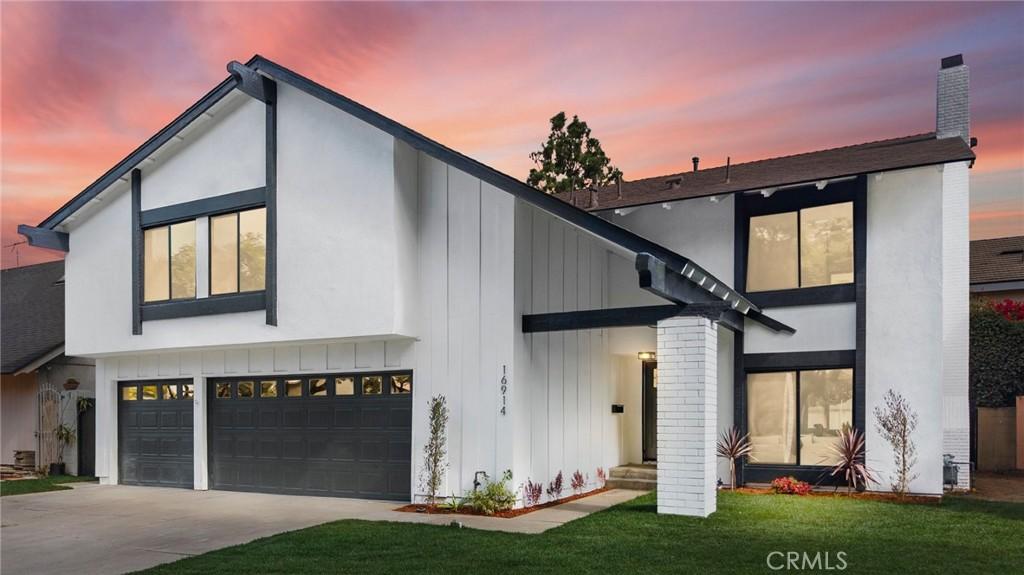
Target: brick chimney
point(952, 117)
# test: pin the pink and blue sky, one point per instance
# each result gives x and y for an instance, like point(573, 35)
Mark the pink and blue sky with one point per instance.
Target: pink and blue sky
point(85, 83)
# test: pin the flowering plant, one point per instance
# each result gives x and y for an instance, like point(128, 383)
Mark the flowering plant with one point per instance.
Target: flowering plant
point(532, 492)
point(1010, 309)
point(554, 489)
point(601, 477)
point(578, 482)
point(790, 486)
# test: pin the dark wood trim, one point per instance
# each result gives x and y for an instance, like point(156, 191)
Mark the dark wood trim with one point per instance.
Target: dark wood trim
point(813, 474)
point(45, 238)
point(797, 360)
point(739, 397)
point(750, 205)
point(860, 274)
point(233, 202)
point(270, 280)
point(217, 304)
point(818, 295)
point(252, 83)
point(138, 262)
point(599, 318)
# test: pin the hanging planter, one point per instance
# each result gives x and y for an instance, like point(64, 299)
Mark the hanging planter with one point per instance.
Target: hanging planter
point(71, 384)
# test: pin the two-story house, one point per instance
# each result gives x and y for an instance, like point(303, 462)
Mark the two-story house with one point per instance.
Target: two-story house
point(276, 283)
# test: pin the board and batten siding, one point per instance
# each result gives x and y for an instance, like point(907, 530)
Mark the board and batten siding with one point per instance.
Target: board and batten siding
point(466, 321)
point(563, 419)
point(198, 365)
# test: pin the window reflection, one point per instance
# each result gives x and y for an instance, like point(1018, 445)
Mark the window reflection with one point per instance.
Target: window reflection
point(771, 416)
point(401, 384)
point(373, 385)
point(344, 386)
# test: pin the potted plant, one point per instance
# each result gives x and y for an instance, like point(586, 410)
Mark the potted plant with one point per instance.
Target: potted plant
point(732, 446)
point(65, 437)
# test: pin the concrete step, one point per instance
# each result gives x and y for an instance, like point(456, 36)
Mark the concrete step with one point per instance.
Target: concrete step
point(637, 484)
point(634, 471)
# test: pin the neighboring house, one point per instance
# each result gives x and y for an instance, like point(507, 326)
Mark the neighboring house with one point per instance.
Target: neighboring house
point(276, 284)
point(35, 369)
point(997, 268)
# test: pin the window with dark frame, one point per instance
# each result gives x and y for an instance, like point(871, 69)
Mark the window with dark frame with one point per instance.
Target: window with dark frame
point(169, 262)
point(808, 247)
point(795, 417)
point(238, 251)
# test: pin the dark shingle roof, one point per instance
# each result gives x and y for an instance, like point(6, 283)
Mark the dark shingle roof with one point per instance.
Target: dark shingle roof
point(997, 260)
point(883, 155)
point(31, 313)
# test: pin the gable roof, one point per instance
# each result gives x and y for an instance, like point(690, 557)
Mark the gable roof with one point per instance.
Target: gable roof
point(808, 168)
point(997, 260)
point(32, 311)
point(549, 203)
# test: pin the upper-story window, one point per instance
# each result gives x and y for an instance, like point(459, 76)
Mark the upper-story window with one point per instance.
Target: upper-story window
point(804, 248)
point(238, 252)
point(170, 262)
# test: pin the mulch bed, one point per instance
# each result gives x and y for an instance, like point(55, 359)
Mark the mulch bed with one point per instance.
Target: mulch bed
point(435, 510)
point(863, 495)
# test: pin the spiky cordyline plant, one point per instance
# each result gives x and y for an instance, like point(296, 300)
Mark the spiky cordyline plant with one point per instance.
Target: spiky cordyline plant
point(733, 446)
point(849, 452)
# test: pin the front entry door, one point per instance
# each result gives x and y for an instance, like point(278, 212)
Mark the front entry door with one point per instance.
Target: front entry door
point(650, 412)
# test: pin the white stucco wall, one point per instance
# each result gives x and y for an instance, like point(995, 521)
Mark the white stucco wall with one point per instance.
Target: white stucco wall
point(818, 328)
point(904, 314)
point(347, 259)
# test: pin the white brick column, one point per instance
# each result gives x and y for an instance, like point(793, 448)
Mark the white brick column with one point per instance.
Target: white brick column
point(687, 416)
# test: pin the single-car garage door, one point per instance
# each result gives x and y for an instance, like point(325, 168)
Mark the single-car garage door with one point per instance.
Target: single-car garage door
point(343, 435)
point(154, 445)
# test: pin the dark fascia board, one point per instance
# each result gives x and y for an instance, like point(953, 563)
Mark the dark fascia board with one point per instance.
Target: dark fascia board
point(988, 287)
point(45, 238)
point(232, 202)
point(599, 318)
point(151, 145)
point(252, 83)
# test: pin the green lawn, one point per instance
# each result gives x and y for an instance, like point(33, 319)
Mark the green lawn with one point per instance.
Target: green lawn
point(958, 536)
point(23, 486)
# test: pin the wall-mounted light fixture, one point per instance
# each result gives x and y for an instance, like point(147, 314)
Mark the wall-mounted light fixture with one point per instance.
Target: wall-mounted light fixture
point(647, 356)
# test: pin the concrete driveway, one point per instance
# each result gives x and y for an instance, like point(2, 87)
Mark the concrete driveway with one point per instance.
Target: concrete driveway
point(117, 529)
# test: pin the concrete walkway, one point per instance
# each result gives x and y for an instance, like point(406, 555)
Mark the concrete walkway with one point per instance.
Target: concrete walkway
point(116, 529)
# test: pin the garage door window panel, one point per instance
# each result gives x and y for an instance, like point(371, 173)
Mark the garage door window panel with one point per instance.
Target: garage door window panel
point(372, 385)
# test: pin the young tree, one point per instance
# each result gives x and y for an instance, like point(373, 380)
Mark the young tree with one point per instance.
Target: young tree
point(571, 159)
point(896, 421)
point(436, 452)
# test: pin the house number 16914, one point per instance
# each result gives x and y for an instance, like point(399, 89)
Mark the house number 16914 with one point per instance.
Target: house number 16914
point(504, 389)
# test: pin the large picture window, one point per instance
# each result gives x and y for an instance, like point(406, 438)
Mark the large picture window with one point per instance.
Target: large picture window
point(794, 417)
point(238, 252)
point(805, 248)
point(169, 264)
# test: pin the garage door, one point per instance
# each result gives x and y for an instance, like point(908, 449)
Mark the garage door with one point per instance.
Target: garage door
point(343, 435)
point(154, 444)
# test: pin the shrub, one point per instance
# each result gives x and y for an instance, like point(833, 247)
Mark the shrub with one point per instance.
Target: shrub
point(996, 363)
point(435, 451)
point(578, 482)
point(493, 496)
point(850, 463)
point(532, 492)
point(733, 446)
point(790, 486)
point(601, 477)
point(896, 422)
point(555, 487)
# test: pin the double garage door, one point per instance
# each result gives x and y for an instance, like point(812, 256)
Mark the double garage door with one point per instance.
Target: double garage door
point(344, 435)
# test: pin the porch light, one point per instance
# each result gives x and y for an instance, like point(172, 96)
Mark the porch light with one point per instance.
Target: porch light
point(647, 356)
